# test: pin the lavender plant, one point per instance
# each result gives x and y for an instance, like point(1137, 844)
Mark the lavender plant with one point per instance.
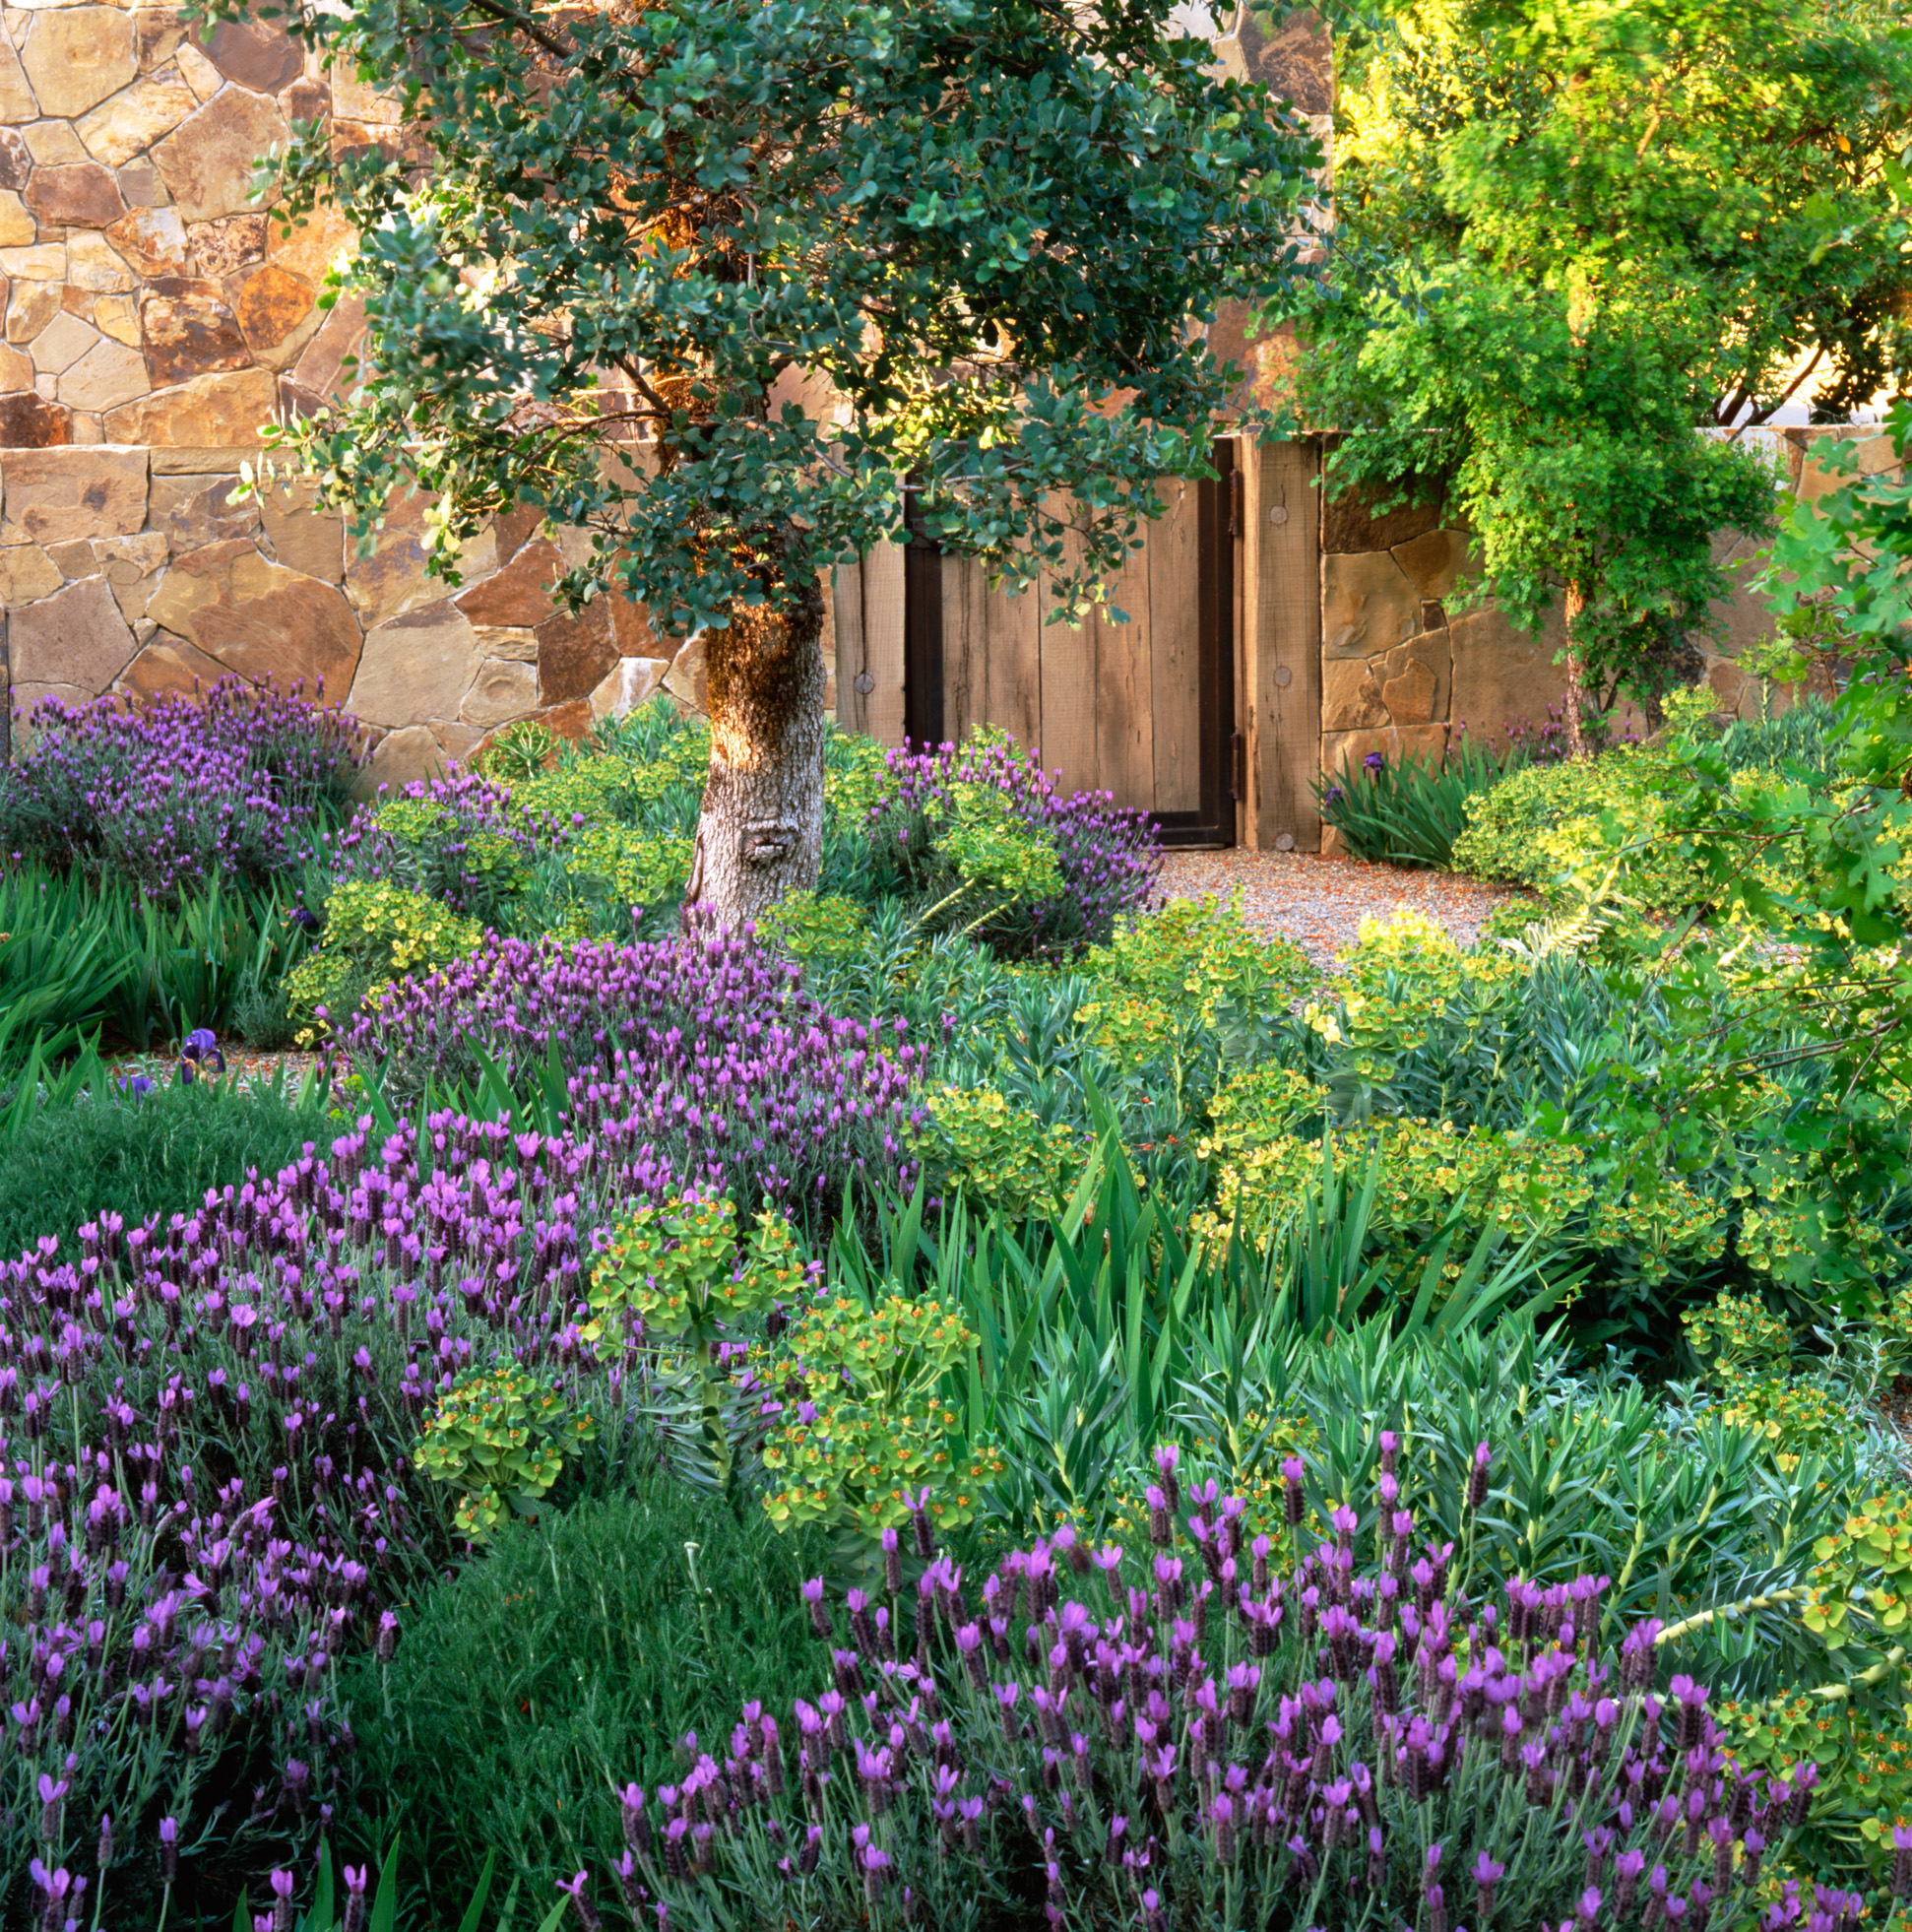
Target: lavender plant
point(239, 784)
point(944, 820)
point(702, 1056)
point(1316, 1728)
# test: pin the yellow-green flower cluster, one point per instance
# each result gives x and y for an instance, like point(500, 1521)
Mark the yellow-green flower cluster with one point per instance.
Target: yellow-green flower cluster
point(500, 1438)
point(816, 925)
point(375, 933)
point(1865, 1565)
point(998, 1152)
point(873, 1431)
point(1739, 1332)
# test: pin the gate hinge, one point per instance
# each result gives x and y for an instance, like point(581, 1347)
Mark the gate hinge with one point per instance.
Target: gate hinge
point(1238, 766)
point(1236, 493)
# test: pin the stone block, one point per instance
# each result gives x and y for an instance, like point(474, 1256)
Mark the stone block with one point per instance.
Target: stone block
point(134, 118)
point(16, 161)
point(77, 56)
point(501, 691)
point(322, 368)
point(53, 495)
point(166, 663)
point(189, 331)
point(572, 720)
point(255, 55)
point(17, 102)
point(206, 161)
point(259, 618)
point(77, 636)
point(1369, 605)
point(1350, 695)
point(84, 196)
point(687, 682)
point(1350, 523)
point(62, 343)
point(223, 247)
point(33, 423)
point(309, 246)
point(305, 101)
point(140, 185)
point(119, 316)
point(151, 242)
point(17, 226)
point(459, 743)
point(303, 537)
point(508, 641)
point(225, 408)
point(33, 305)
point(402, 758)
point(1502, 675)
point(16, 370)
point(53, 144)
point(45, 261)
point(27, 698)
point(95, 267)
point(629, 682)
point(1434, 562)
point(272, 307)
point(108, 374)
point(192, 512)
point(197, 71)
point(517, 595)
point(26, 574)
point(157, 34)
point(415, 668)
point(1416, 679)
point(575, 653)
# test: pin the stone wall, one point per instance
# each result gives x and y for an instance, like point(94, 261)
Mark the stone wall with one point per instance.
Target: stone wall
point(154, 317)
point(1399, 669)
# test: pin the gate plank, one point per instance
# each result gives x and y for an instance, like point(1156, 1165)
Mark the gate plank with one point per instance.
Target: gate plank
point(1175, 656)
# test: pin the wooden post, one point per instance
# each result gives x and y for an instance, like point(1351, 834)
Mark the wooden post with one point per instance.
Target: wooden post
point(867, 598)
point(1281, 643)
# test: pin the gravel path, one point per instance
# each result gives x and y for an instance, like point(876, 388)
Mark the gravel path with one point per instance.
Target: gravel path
point(1320, 903)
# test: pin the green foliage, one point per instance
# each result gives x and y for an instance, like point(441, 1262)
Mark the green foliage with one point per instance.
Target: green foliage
point(1565, 238)
point(818, 928)
point(982, 1145)
point(1410, 812)
point(499, 1437)
point(869, 1433)
point(374, 933)
point(574, 1655)
point(861, 160)
point(71, 1159)
point(1740, 1333)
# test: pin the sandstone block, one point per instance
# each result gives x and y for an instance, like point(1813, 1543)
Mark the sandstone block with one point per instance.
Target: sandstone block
point(82, 197)
point(33, 305)
point(303, 537)
point(223, 247)
point(206, 161)
point(1434, 562)
point(501, 691)
point(305, 101)
point(513, 642)
point(16, 161)
point(77, 636)
point(575, 653)
point(1410, 695)
point(191, 512)
point(1342, 753)
point(223, 409)
point(76, 58)
point(1350, 523)
point(572, 720)
point(393, 580)
point(1351, 696)
point(45, 262)
point(95, 267)
point(16, 370)
point(270, 306)
point(16, 225)
point(416, 667)
point(117, 317)
point(27, 573)
point(257, 617)
point(630, 681)
point(108, 374)
point(151, 240)
point(1501, 675)
point(140, 185)
point(33, 423)
point(457, 742)
point(1369, 605)
point(189, 331)
point(169, 664)
point(253, 53)
point(321, 368)
point(62, 343)
point(17, 102)
point(402, 758)
point(687, 680)
point(1423, 669)
point(311, 245)
point(157, 34)
point(134, 118)
point(519, 593)
point(53, 144)
point(53, 495)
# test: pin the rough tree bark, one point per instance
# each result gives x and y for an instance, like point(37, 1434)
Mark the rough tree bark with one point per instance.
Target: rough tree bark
point(760, 833)
point(1574, 602)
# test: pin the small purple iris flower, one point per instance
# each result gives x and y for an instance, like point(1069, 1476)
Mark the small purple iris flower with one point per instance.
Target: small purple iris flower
point(1373, 761)
point(202, 1048)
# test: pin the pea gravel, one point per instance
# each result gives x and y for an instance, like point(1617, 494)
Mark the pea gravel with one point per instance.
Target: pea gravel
point(1320, 903)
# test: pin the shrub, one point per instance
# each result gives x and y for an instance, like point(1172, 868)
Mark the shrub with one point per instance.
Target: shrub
point(983, 837)
point(700, 1055)
point(1309, 1729)
point(499, 1437)
point(241, 784)
point(576, 1653)
point(147, 1155)
point(978, 1142)
point(458, 839)
point(375, 934)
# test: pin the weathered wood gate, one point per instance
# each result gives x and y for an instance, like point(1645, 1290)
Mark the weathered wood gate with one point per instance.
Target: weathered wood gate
point(1202, 710)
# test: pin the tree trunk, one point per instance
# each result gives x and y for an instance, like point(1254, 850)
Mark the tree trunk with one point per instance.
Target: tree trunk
point(760, 834)
point(1574, 604)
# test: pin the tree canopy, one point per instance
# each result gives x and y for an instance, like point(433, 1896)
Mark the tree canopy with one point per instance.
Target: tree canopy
point(1567, 237)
